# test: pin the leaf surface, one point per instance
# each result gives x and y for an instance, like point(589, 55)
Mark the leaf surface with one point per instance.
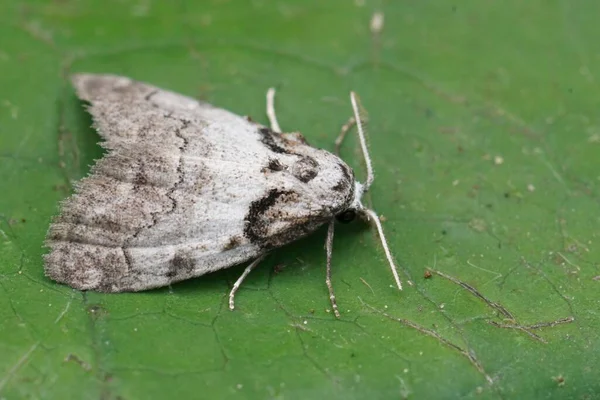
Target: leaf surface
point(485, 135)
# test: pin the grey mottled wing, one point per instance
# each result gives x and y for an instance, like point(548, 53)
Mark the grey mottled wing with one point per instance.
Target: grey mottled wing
point(184, 189)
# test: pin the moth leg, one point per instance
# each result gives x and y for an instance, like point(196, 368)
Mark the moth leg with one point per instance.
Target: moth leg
point(374, 218)
point(237, 283)
point(345, 128)
point(271, 111)
point(329, 250)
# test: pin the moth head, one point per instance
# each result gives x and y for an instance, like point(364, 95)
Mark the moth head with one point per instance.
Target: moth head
point(342, 187)
point(355, 208)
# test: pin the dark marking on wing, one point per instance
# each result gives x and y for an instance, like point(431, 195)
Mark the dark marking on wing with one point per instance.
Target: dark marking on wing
point(132, 90)
point(294, 138)
point(348, 174)
point(341, 186)
point(274, 166)
point(305, 169)
point(257, 226)
point(140, 177)
point(180, 264)
point(268, 139)
point(232, 243)
point(149, 95)
point(264, 213)
point(346, 182)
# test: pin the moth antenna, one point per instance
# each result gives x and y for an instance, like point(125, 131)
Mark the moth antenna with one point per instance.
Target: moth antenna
point(271, 110)
point(359, 112)
point(373, 216)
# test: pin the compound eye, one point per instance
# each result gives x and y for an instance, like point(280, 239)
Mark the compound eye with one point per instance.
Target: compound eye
point(346, 216)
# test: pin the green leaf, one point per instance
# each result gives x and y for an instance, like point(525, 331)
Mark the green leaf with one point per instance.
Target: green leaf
point(485, 134)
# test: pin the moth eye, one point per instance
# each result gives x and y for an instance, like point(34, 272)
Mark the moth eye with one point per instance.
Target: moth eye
point(346, 216)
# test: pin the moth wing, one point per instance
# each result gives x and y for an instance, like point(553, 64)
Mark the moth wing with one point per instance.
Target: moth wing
point(185, 189)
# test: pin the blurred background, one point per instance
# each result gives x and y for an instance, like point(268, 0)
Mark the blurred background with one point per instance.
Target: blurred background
point(485, 137)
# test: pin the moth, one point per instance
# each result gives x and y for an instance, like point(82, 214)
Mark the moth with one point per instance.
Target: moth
point(186, 188)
